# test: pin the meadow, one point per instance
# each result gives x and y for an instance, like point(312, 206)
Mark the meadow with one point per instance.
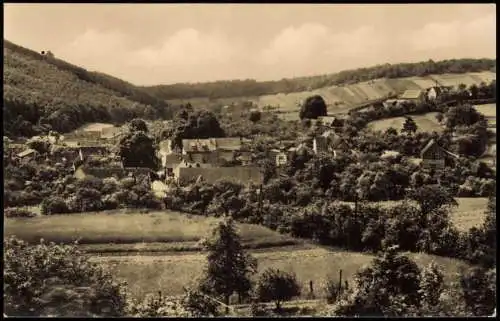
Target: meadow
point(425, 123)
point(171, 273)
point(129, 230)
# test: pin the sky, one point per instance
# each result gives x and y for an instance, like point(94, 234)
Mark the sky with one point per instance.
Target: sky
point(152, 44)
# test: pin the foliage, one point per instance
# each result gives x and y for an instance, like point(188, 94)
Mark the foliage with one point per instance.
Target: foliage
point(18, 212)
point(54, 205)
point(57, 280)
point(137, 149)
point(409, 126)
point(389, 287)
point(255, 116)
point(313, 107)
point(431, 284)
point(138, 124)
point(229, 267)
point(432, 197)
point(479, 289)
point(157, 306)
point(250, 87)
point(278, 286)
point(42, 93)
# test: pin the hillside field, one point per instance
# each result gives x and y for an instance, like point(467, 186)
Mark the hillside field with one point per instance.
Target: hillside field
point(425, 123)
point(340, 99)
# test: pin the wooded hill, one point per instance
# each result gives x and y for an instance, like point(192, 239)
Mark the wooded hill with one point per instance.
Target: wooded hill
point(41, 91)
point(250, 87)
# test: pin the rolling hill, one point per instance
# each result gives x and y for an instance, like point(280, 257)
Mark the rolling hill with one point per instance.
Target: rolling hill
point(42, 91)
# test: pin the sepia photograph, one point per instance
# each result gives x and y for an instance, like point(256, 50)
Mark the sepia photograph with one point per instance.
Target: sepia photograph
point(249, 160)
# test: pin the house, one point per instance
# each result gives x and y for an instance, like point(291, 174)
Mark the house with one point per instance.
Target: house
point(211, 150)
point(413, 96)
point(245, 175)
point(330, 141)
point(330, 121)
point(28, 153)
point(279, 156)
point(434, 156)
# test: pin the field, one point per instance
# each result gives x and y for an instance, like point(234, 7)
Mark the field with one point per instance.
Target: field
point(170, 273)
point(425, 123)
point(350, 95)
point(132, 229)
point(160, 251)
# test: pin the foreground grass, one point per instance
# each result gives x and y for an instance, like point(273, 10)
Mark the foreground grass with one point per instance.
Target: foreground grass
point(118, 228)
point(170, 273)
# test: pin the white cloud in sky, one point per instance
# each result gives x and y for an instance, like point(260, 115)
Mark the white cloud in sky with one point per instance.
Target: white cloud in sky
point(202, 55)
point(436, 35)
point(188, 47)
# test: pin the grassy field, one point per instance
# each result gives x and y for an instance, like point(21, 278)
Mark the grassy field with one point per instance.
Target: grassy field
point(133, 228)
point(170, 273)
point(425, 123)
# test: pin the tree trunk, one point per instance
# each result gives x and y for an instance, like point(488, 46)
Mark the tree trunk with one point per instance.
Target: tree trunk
point(278, 306)
point(226, 301)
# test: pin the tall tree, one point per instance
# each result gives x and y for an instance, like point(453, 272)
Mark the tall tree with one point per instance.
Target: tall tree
point(313, 107)
point(229, 267)
point(409, 126)
point(137, 149)
point(138, 124)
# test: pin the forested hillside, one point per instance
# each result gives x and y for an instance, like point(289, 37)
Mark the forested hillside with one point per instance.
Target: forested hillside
point(249, 87)
point(42, 92)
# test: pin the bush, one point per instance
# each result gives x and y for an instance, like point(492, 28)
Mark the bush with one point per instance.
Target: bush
point(278, 286)
point(54, 205)
point(18, 212)
point(57, 280)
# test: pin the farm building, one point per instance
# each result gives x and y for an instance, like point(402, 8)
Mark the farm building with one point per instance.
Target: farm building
point(240, 174)
point(434, 156)
point(435, 92)
point(413, 96)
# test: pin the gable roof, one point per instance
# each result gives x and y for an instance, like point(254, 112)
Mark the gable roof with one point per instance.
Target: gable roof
point(237, 174)
point(433, 143)
point(27, 152)
point(198, 145)
point(172, 160)
point(411, 94)
point(428, 146)
point(228, 143)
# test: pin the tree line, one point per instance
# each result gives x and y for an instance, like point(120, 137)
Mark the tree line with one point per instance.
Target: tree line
point(250, 87)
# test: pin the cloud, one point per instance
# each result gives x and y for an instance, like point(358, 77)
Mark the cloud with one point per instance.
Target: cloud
point(94, 44)
point(313, 41)
point(188, 47)
point(437, 35)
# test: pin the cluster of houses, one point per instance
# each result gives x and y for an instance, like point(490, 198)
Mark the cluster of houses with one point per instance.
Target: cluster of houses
point(208, 159)
point(419, 95)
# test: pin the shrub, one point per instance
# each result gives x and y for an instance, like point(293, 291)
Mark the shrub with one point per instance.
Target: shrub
point(18, 212)
point(54, 205)
point(57, 280)
point(278, 286)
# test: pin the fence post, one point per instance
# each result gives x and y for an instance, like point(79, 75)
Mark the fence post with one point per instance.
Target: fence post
point(340, 281)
